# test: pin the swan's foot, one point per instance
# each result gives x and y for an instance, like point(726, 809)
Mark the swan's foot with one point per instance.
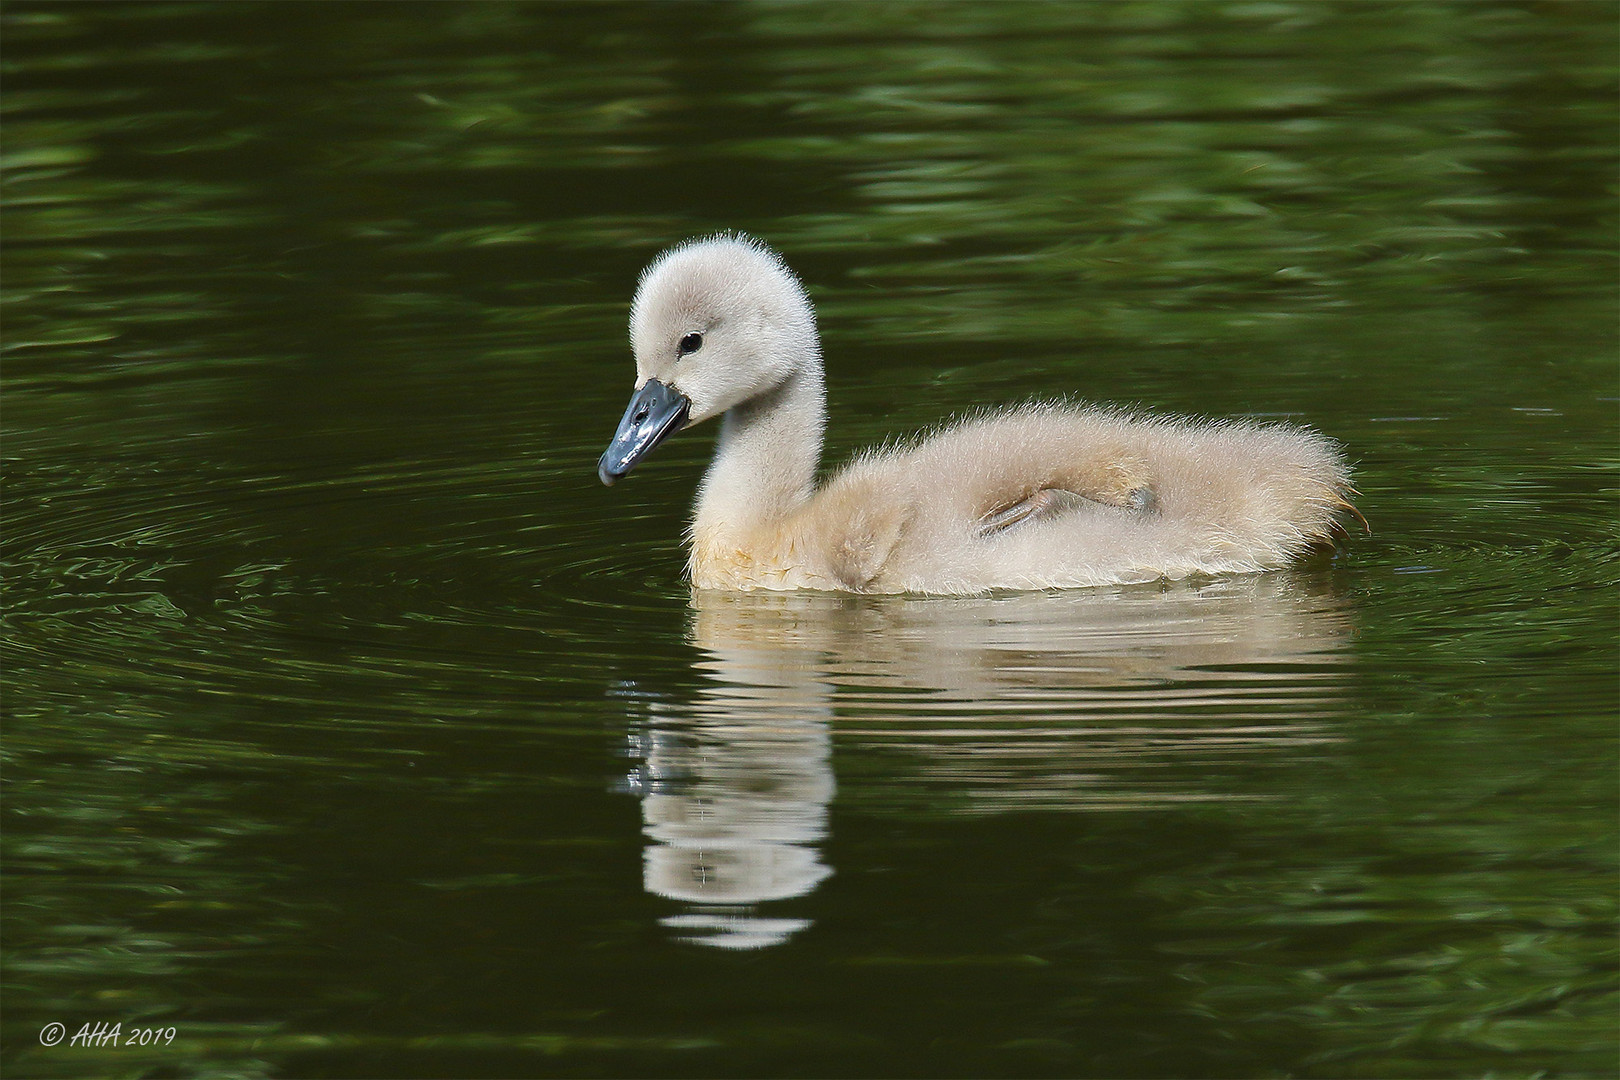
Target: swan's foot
point(1125, 481)
point(1050, 502)
point(1040, 504)
point(1141, 498)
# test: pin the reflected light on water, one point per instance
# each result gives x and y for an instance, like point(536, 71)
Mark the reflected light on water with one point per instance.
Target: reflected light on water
point(1081, 701)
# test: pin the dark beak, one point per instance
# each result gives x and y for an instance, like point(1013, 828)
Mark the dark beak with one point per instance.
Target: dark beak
point(656, 412)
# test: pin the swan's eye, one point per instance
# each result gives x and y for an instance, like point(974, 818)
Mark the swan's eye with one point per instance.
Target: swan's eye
point(691, 343)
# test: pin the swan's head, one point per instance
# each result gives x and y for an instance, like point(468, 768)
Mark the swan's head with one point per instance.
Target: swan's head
point(716, 322)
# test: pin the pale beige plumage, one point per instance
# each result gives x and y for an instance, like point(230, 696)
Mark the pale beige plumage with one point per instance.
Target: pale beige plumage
point(1037, 496)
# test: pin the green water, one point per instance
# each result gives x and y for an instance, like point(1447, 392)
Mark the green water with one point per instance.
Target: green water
point(351, 728)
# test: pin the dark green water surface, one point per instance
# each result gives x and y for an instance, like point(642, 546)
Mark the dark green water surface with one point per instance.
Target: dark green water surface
point(351, 728)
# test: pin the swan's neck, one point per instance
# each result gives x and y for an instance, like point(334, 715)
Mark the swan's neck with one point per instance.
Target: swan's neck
point(764, 464)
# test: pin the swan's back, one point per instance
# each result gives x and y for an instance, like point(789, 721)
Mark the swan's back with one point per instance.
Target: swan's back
point(1230, 496)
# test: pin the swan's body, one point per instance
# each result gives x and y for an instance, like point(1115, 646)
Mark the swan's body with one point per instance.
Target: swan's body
point(1039, 496)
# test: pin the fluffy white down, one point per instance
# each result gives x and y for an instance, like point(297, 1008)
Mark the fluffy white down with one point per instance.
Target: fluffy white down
point(1153, 497)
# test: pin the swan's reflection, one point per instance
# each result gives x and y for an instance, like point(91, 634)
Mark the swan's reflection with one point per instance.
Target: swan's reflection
point(1088, 699)
point(735, 803)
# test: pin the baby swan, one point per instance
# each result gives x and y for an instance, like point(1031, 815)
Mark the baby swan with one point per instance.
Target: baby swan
point(1033, 497)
